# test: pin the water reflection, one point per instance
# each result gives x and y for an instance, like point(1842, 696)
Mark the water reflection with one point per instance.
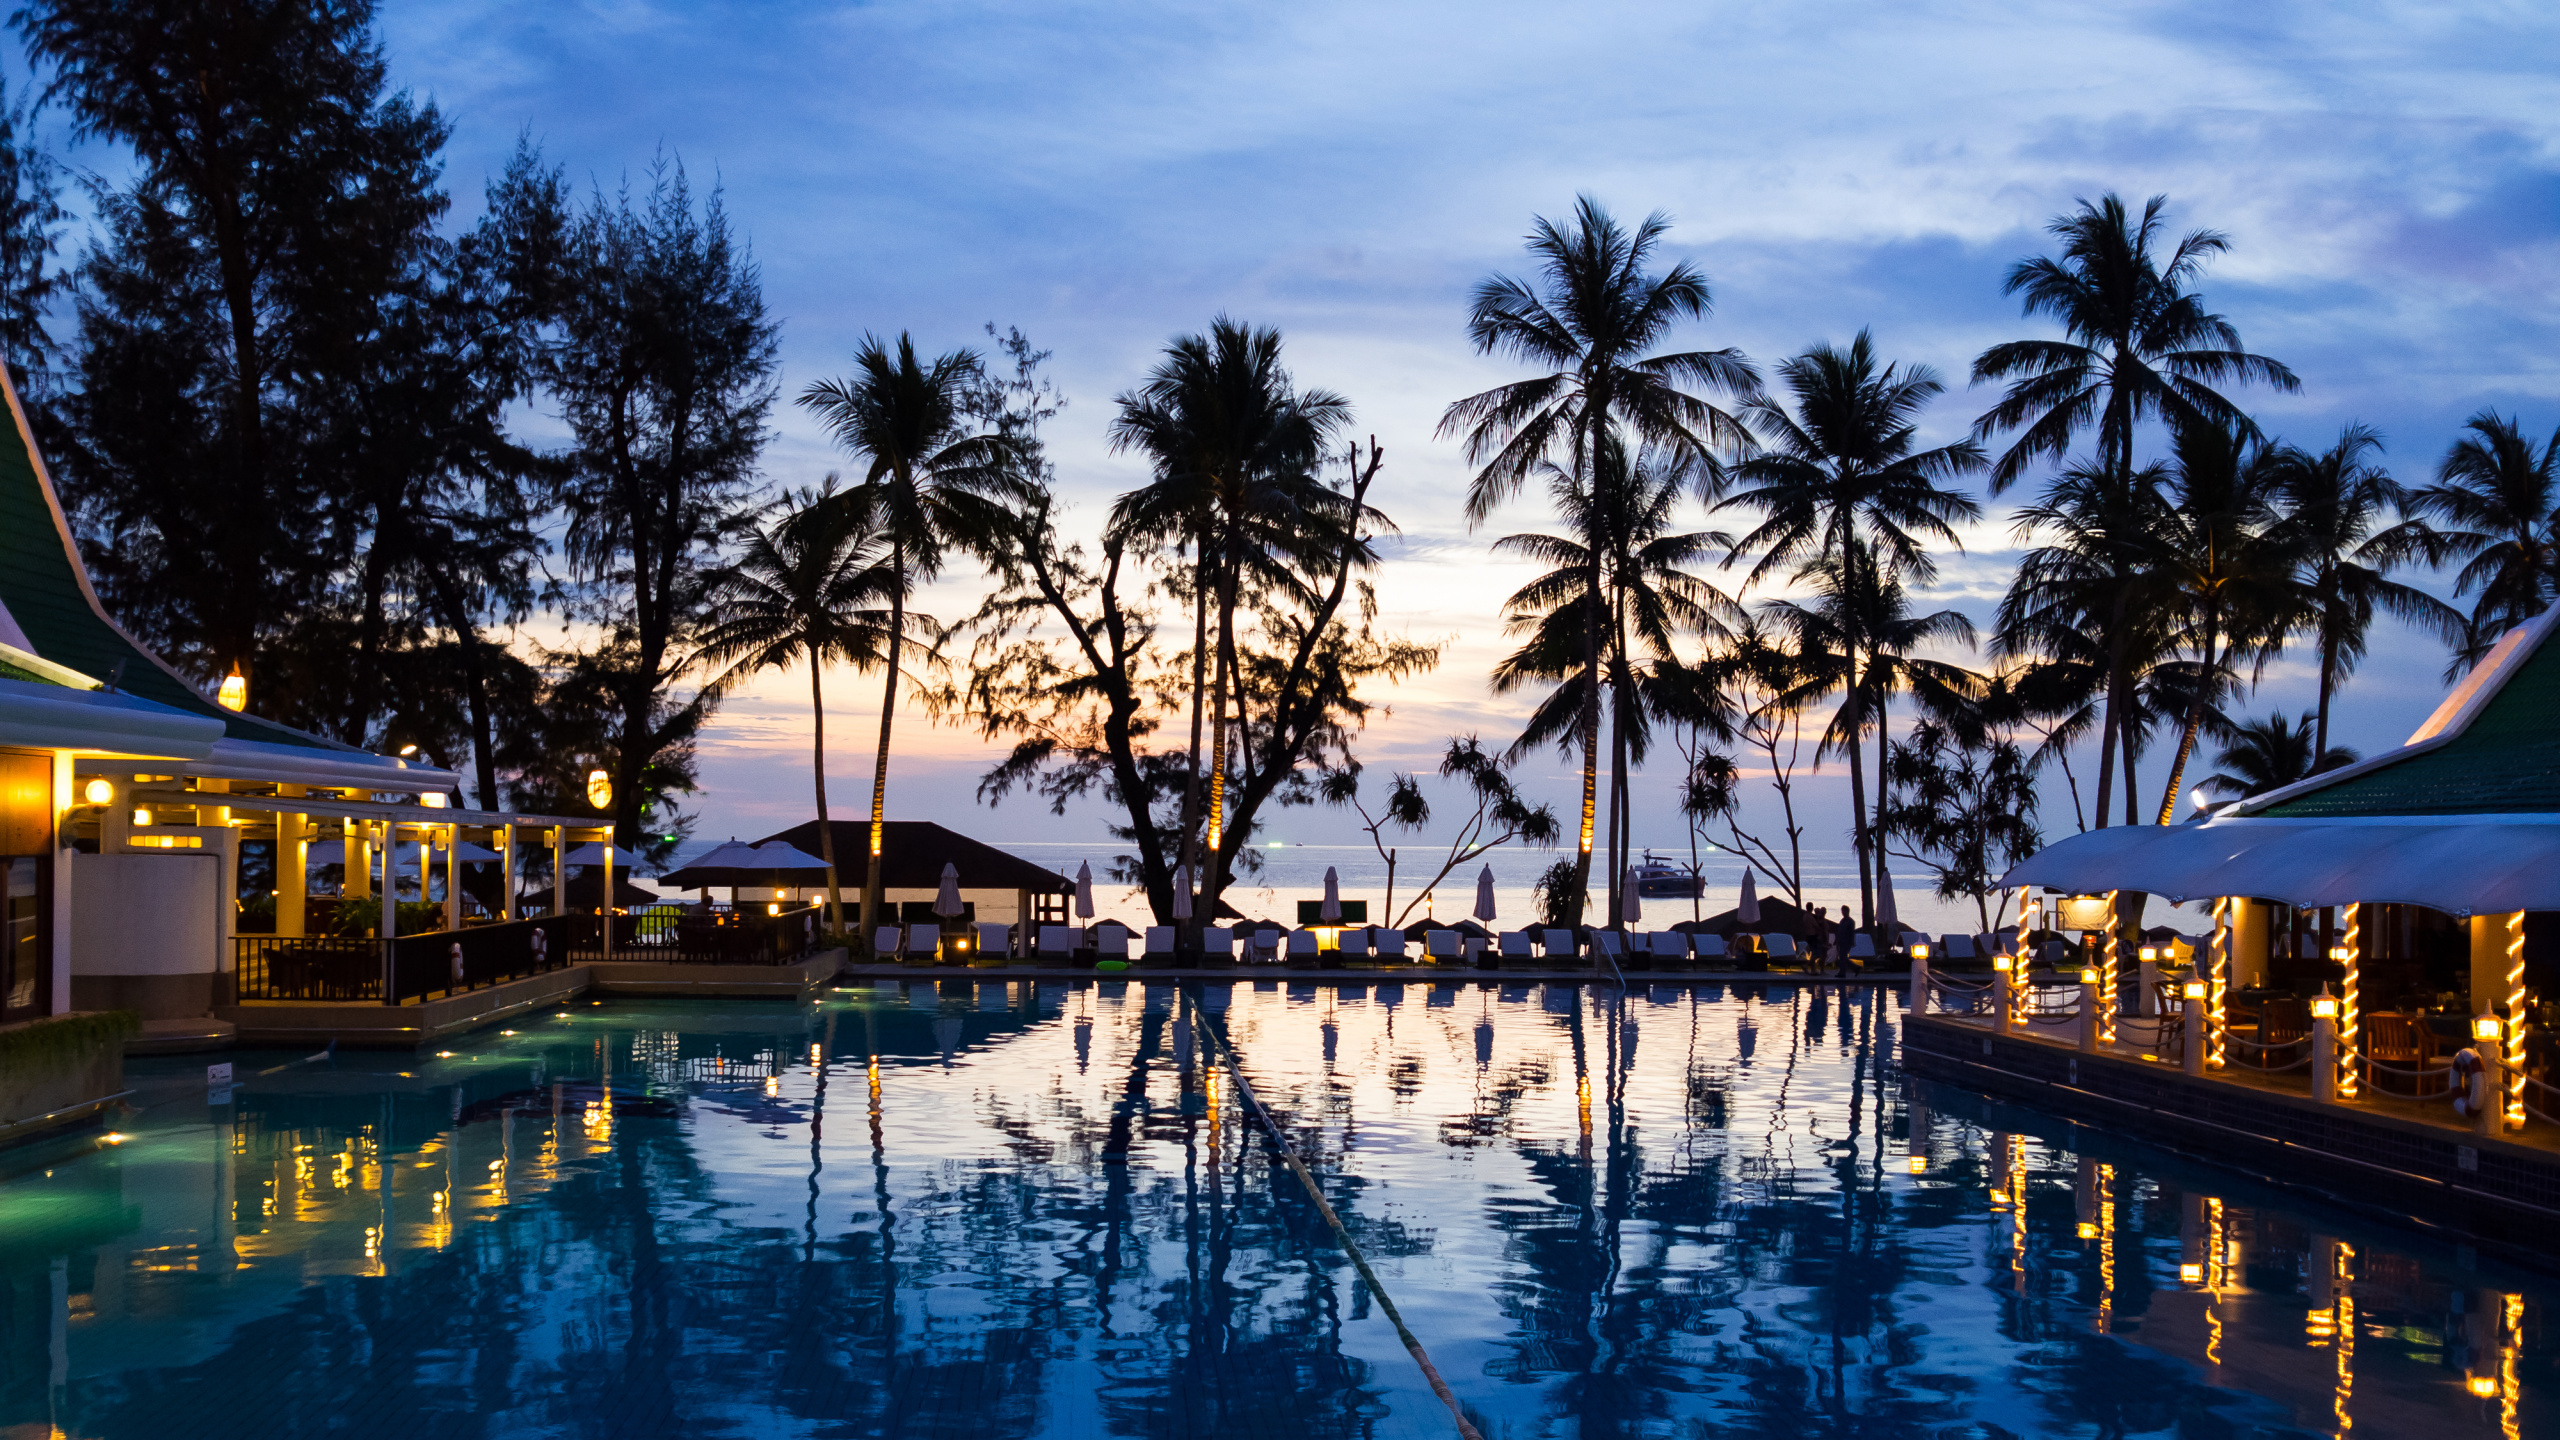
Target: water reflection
point(1686, 1210)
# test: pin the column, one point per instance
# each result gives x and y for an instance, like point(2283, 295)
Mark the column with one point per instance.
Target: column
point(604, 901)
point(2350, 956)
point(2489, 939)
point(390, 880)
point(559, 869)
point(356, 858)
point(453, 876)
point(505, 835)
point(64, 797)
point(2249, 943)
point(293, 872)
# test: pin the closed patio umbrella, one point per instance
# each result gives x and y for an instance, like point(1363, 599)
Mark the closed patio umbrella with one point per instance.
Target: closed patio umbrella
point(1332, 909)
point(1182, 893)
point(1484, 894)
point(946, 901)
point(1632, 910)
point(1748, 912)
point(1886, 920)
point(1084, 890)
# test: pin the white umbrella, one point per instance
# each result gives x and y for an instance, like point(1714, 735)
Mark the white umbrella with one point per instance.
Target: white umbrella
point(1630, 908)
point(1748, 912)
point(1886, 920)
point(778, 855)
point(1182, 893)
point(1332, 910)
point(592, 853)
point(1484, 894)
point(946, 901)
point(728, 854)
point(1084, 890)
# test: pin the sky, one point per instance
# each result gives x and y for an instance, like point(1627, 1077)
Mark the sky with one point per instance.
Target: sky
point(1106, 176)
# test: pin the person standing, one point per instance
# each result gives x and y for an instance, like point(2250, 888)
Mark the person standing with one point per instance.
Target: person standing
point(1843, 937)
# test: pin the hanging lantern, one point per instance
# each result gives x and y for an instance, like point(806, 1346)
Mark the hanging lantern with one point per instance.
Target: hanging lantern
point(234, 692)
point(600, 789)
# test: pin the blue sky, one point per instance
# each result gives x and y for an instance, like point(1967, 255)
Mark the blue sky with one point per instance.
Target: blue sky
point(1105, 175)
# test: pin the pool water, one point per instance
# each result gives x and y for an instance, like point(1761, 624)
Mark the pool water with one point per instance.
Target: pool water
point(1040, 1209)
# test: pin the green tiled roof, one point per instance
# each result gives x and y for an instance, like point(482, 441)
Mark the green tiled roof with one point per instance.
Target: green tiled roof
point(2505, 762)
point(17, 672)
point(43, 593)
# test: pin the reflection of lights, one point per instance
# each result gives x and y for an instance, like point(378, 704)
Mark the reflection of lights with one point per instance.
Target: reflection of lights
point(2088, 1230)
point(1919, 1164)
point(444, 1054)
point(2321, 1324)
point(2191, 1274)
point(115, 1137)
point(2484, 1386)
point(506, 1032)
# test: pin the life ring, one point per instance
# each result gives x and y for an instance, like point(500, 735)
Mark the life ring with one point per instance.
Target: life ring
point(2470, 1083)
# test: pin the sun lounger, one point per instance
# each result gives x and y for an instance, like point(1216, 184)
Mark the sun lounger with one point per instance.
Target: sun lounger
point(1560, 945)
point(885, 942)
point(1780, 948)
point(995, 942)
point(1515, 950)
point(1668, 949)
point(1218, 945)
point(1713, 953)
point(1353, 944)
point(1391, 946)
point(924, 943)
point(1609, 945)
point(1111, 941)
point(1441, 946)
point(1159, 945)
point(1057, 943)
point(1862, 948)
point(1303, 949)
point(1955, 950)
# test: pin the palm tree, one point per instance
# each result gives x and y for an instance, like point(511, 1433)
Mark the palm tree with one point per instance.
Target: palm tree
point(2227, 574)
point(2494, 500)
point(2140, 346)
point(811, 583)
point(1589, 325)
point(1841, 473)
point(1620, 568)
point(935, 484)
point(2335, 502)
point(1237, 452)
point(2270, 754)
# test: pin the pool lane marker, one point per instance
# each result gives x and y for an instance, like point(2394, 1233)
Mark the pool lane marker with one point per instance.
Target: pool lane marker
point(1280, 1142)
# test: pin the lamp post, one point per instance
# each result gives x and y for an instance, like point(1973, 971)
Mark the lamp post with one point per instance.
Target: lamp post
point(2091, 981)
point(2004, 1009)
point(2487, 1034)
point(2324, 1047)
point(2195, 994)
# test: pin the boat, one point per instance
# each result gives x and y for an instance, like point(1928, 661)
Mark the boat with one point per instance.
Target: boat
point(1664, 879)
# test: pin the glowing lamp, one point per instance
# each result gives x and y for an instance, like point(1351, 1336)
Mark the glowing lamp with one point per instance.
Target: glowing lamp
point(2150, 952)
point(774, 908)
point(2486, 1027)
point(2191, 1274)
point(141, 816)
point(432, 799)
point(2193, 990)
point(1919, 952)
point(2089, 975)
point(99, 791)
point(233, 694)
point(2087, 1231)
point(600, 789)
point(2341, 954)
point(2199, 799)
point(777, 894)
point(2484, 1386)
point(2324, 1006)
point(2000, 963)
point(1919, 1164)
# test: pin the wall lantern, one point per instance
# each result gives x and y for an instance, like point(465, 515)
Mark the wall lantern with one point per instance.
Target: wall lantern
point(233, 693)
point(2484, 1386)
point(99, 791)
point(600, 789)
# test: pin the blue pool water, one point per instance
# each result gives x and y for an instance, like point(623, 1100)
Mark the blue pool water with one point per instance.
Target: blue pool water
point(1017, 1209)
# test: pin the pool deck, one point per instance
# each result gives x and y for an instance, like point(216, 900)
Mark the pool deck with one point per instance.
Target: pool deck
point(2391, 1156)
point(1363, 974)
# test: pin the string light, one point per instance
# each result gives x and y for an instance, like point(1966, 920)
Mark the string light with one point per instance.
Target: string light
point(2107, 978)
point(2515, 1020)
point(2218, 985)
point(2349, 1011)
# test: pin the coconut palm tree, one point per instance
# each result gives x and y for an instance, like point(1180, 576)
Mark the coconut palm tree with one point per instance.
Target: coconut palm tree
point(1237, 453)
point(2140, 346)
point(936, 484)
point(2227, 573)
point(2270, 754)
point(812, 583)
point(1843, 474)
point(1590, 324)
point(1621, 569)
point(2335, 505)
point(2496, 506)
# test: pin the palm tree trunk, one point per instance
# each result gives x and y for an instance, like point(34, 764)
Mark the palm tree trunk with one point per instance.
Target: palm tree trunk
point(2110, 727)
point(871, 888)
point(1884, 793)
point(1199, 688)
point(818, 770)
point(1217, 865)
point(2328, 679)
point(1853, 722)
point(1593, 681)
point(2194, 722)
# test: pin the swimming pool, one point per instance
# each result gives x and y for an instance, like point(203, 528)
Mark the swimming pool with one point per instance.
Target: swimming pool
point(1016, 1208)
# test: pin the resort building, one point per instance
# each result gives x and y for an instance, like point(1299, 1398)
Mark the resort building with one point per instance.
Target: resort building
point(127, 797)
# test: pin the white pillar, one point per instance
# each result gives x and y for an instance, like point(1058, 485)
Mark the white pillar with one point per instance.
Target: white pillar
point(505, 835)
point(293, 874)
point(453, 876)
point(390, 879)
point(2090, 990)
point(559, 869)
point(2146, 1001)
point(2004, 1003)
point(1918, 1003)
point(2195, 1034)
point(604, 902)
point(2324, 1059)
point(59, 992)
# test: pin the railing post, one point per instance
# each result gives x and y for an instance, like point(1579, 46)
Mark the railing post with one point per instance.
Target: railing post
point(2195, 1035)
point(2493, 1117)
point(1918, 1004)
point(2324, 1059)
point(2090, 1023)
point(390, 996)
point(2003, 1001)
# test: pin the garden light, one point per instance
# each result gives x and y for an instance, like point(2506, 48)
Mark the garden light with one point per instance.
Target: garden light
point(2324, 1006)
point(2088, 974)
point(2486, 1027)
point(2340, 953)
point(2193, 990)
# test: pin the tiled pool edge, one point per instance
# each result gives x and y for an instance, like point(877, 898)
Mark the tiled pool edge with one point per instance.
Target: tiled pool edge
point(2489, 1190)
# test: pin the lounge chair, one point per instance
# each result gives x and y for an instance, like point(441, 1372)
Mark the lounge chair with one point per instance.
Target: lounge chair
point(924, 944)
point(1984, 947)
point(1955, 950)
point(1111, 941)
point(1781, 948)
point(1862, 948)
point(1391, 946)
point(1609, 945)
point(1561, 946)
point(1217, 945)
point(1304, 947)
point(1713, 954)
point(1263, 946)
point(1352, 945)
point(885, 942)
point(1057, 944)
point(1669, 949)
point(1159, 945)
point(995, 942)
point(1515, 950)
point(1440, 947)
